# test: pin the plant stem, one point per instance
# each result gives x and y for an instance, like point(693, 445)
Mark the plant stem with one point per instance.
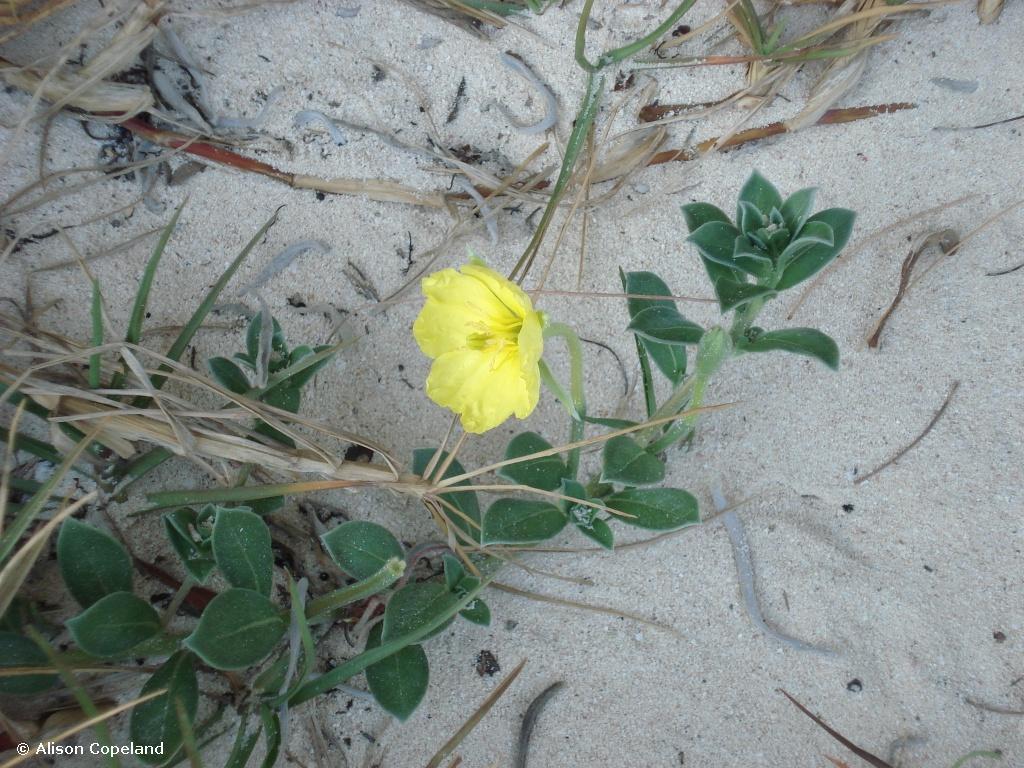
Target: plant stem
point(179, 597)
point(384, 578)
point(576, 389)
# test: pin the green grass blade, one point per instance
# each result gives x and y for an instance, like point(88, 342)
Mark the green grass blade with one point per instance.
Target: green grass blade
point(97, 335)
point(199, 316)
point(134, 332)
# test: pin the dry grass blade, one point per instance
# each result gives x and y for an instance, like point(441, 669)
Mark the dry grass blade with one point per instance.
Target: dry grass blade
point(831, 117)
point(20, 15)
point(178, 426)
point(863, 754)
point(90, 722)
point(989, 10)
point(18, 567)
point(86, 87)
point(9, 457)
point(905, 450)
point(585, 607)
point(455, 479)
point(374, 189)
point(452, 744)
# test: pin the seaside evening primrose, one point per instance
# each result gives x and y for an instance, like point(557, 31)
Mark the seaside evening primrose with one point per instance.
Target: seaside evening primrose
point(486, 341)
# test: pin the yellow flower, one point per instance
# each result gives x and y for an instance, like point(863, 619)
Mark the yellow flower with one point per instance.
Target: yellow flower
point(486, 340)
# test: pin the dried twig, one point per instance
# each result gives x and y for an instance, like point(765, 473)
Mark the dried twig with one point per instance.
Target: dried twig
point(946, 240)
point(832, 117)
point(904, 451)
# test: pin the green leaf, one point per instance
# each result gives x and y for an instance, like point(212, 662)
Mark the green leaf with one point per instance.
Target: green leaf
point(815, 258)
point(801, 341)
point(698, 214)
point(657, 509)
point(761, 192)
point(114, 625)
point(195, 551)
point(465, 502)
point(18, 651)
point(415, 605)
point(669, 358)
point(228, 375)
point(545, 472)
point(283, 396)
point(92, 563)
point(156, 722)
point(716, 240)
point(814, 233)
point(797, 208)
point(739, 294)
point(477, 612)
point(399, 682)
point(255, 332)
point(750, 219)
point(241, 548)
point(665, 325)
point(514, 521)
point(624, 461)
point(752, 259)
point(198, 317)
point(238, 628)
point(454, 572)
point(301, 378)
point(361, 548)
point(584, 517)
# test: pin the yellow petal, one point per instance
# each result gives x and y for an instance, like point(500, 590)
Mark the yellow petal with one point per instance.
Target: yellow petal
point(508, 293)
point(531, 340)
point(483, 387)
point(456, 305)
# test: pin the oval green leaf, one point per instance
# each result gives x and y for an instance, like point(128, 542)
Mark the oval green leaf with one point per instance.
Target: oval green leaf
point(514, 521)
point(361, 548)
point(656, 509)
point(241, 548)
point(237, 629)
point(716, 241)
point(19, 651)
point(114, 625)
point(698, 214)
point(92, 562)
point(196, 554)
point(800, 341)
point(669, 358)
point(157, 722)
point(761, 193)
point(415, 605)
point(665, 325)
point(228, 375)
point(626, 462)
point(400, 681)
point(815, 258)
point(545, 472)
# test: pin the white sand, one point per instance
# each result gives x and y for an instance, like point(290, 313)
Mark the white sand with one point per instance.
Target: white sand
point(908, 586)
